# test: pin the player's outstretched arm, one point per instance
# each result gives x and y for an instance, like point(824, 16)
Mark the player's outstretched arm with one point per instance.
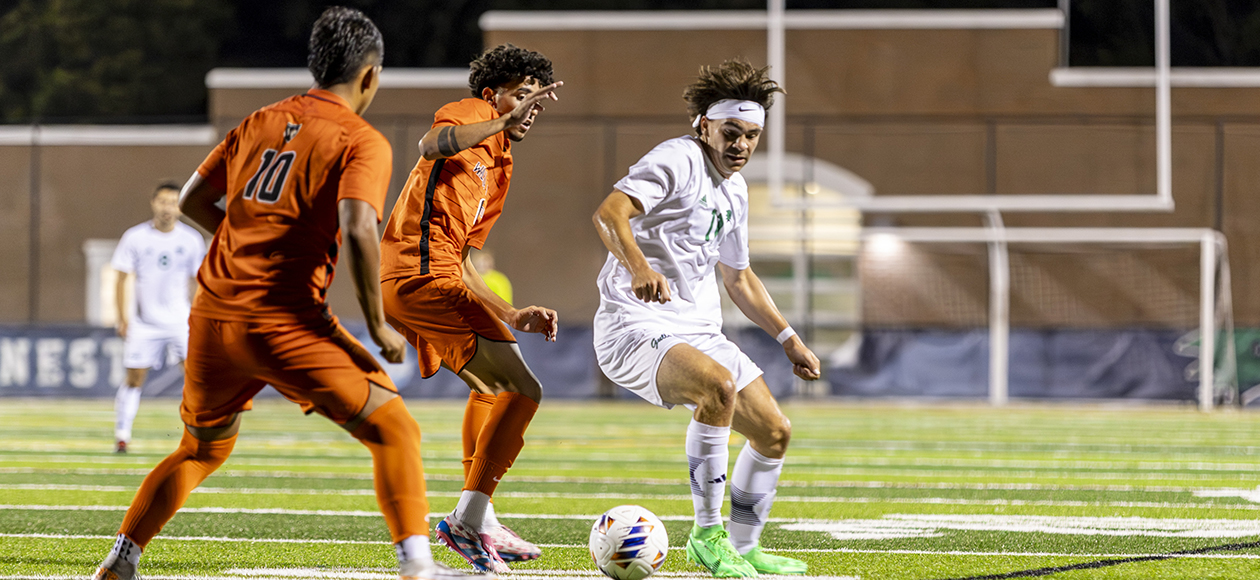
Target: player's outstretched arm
point(197, 201)
point(357, 219)
point(449, 140)
point(537, 319)
point(612, 220)
point(750, 295)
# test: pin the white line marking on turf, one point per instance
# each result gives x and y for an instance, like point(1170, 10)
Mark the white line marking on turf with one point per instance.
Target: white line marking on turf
point(578, 546)
point(900, 526)
point(526, 516)
point(1151, 469)
point(550, 574)
point(197, 539)
point(650, 481)
point(1043, 554)
point(623, 496)
point(314, 574)
point(1251, 495)
point(205, 510)
point(818, 472)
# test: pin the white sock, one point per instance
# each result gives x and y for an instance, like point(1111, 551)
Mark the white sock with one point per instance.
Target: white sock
point(413, 555)
point(707, 456)
point(123, 558)
point(471, 509)
point(753, 484)
point(126, 403)
point(490, 521)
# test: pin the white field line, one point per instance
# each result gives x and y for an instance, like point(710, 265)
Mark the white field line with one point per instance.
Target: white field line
point(592, 573)
point(314, 574)
point(650, 481)
point(20, 439)
point(550, 574)
point(345, 448)
point(97, 458)
point(800, 472)
point(591, 517)
point(996, 473)
point(797, 462)
point(902, 526)
point(1042, 554)
point(659, 497)
point(195, 539)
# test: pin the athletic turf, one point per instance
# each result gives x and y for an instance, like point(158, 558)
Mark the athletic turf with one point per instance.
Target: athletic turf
point(871, 490)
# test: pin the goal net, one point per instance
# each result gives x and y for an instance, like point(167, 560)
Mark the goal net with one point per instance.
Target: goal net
point(1073, 312)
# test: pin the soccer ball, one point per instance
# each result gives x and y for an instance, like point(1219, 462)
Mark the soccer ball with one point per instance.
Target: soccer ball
point(628, 543)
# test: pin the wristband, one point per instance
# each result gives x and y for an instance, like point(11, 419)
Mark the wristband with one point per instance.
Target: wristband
point(785, 335)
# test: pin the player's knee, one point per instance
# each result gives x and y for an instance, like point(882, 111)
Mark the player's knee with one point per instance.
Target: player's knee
point(778, 435)
point(135, 378)
point(718, 390)
point(389, 423)
point(219, 433)
point(209, 453)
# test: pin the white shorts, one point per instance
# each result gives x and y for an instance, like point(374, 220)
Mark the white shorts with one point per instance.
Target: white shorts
point(151, 347)
point(631, 358)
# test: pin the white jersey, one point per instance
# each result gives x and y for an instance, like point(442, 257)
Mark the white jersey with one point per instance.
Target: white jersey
point(162, 263)
point(692, 219)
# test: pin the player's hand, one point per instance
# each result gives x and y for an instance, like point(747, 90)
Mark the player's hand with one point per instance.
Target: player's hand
point(804, 363)
point(650, 286)
point(544, 321)
point(525, 109)
point(121, 329)
point(393, 345)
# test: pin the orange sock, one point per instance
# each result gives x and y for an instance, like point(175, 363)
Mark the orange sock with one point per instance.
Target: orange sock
point(474, 419)
point(166, 488)
point(500, 441)
point(393, 437)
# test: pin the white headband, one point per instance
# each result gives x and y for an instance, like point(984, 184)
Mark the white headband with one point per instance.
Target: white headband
point(750, 111)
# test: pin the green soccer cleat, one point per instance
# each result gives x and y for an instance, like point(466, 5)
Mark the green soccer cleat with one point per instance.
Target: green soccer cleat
point(771, 564)
point(711, 547)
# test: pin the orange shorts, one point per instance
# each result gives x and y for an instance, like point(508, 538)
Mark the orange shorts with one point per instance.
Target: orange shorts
point(315, 364)
point(442, 318)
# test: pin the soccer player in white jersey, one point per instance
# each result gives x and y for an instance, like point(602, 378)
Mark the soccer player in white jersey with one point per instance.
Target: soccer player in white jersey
point(683, 209)
point(163, 254)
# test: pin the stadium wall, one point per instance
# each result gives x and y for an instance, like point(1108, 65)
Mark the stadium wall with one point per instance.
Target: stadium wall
point(912, 109)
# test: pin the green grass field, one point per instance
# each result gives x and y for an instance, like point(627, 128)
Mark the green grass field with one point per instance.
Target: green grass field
point(871, 491)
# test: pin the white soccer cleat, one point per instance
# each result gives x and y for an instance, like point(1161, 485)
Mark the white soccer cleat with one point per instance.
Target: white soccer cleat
point(511, 547)
point(470, 544)
point(440, 571)
point(119, 569)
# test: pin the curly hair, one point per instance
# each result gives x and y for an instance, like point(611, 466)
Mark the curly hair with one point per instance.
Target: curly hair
point(506, 63)
point(734, 79)
point(343, 41)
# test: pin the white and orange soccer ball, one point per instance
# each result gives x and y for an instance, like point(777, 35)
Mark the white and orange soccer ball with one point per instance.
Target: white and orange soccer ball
point(628, 542)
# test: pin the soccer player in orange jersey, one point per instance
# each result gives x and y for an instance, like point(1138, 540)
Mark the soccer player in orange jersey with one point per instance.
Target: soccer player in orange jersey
point(436, 298)
point(297, 175)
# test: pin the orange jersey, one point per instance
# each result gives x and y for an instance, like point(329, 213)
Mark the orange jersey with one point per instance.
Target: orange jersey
point(448, 203)
point(284, 169)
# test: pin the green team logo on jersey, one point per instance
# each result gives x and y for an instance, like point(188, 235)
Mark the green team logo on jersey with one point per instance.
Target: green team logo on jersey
point(715, 225)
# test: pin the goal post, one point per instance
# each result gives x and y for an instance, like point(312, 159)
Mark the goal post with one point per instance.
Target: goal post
point(1215, 320)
